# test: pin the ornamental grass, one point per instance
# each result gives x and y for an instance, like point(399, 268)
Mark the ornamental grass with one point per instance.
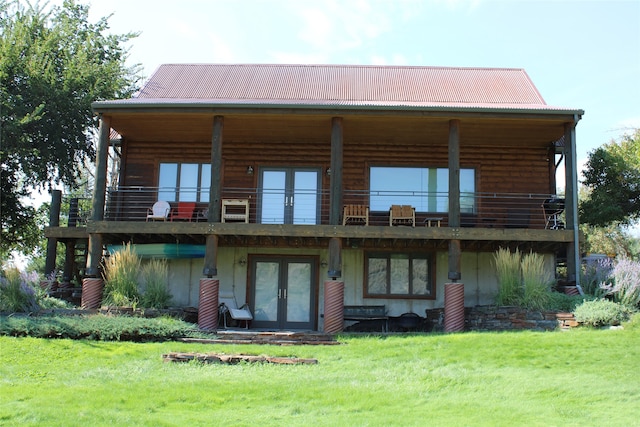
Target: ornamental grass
point(121, 271)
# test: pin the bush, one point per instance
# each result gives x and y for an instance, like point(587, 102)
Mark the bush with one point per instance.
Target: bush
point(98, 327)
point(507, 266)
point(562, 302)
point(536, 282)
point(155, 293)
point(121, 271)
point(594, 274)
point(624, 286)
point(602, 312)
point(21, 293)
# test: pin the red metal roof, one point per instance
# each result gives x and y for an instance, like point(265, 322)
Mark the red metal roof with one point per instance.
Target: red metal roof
point(342, 84)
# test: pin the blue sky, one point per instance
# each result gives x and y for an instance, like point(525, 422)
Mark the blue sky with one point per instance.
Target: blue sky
point(579, 54)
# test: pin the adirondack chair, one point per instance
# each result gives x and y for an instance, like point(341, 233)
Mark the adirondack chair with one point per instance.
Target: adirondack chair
point(355, 213)
point(402, 215)
point(159, 211)
point(228, 306)
point(184, 211)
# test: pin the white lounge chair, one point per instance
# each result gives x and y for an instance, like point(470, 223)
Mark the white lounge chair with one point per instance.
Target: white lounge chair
point(159, 211)
point(229, 306)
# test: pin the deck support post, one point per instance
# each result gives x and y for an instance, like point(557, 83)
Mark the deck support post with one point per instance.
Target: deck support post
point(208, 304)
point(454, 198)
point(335, 180)
point(211, 256)
point(215, 190)
point(333, 306)
point(335, 258)
point(571, 203)
point(52, 243)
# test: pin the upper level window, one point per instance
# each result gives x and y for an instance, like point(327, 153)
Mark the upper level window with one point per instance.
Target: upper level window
point(184, 182)
point(426, 189)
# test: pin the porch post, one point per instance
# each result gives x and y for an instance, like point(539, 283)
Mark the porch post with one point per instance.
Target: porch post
point(54, 221)
point(215, 190)
point(335, 183)
point(92, 284)
point(571, 203)
point(454, 198)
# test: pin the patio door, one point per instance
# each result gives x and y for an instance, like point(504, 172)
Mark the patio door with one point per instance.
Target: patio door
point(283, 292)
point(289, 195)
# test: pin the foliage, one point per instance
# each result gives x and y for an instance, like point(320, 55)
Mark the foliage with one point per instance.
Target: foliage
point(536, 282)
point(624, 286)
point(612, 240)
point(612, 175)
point(508, 270)
point(53, 65)
point(98, 327)
point(21, 292)
point(155, 293)
point(594, 274)
point(633, 323)
point(121, 271)
point(602, 312)
point(582, 378)
point(557, 301)
point(17, 293)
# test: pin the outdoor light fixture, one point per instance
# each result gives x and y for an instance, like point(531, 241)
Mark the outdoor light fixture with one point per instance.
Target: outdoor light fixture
point(249, 170)
point(328, 171)
point(242, 262)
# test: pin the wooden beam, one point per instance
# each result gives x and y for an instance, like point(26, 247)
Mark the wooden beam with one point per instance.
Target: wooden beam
point(215, 191)
point(210, 268)
point(336, 171)
point(454, 199)
point(335, 258)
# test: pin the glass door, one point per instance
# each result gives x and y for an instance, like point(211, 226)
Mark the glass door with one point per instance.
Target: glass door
point(283, 291)
point(289, 196)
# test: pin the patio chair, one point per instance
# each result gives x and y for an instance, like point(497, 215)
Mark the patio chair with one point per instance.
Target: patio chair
point(184, 211)
point(355, 213)
point(402, 215)
point(229, 307)
point(552, 208)
point(159, 211)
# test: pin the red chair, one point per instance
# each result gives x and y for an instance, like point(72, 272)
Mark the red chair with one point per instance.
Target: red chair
point(184, 211)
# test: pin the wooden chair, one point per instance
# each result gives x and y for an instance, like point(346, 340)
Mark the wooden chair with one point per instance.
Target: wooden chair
point(184, 211)
point(159, 211)
point(356, 213)
point(402, 215)
point(235, 210)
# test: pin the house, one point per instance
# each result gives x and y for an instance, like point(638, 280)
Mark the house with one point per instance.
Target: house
point(390, 181)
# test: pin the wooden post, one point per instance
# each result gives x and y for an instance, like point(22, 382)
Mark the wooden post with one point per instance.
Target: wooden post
point(335, 258)
point(335, 180)
point(99, 194)
point(54, 221)
point(571, 203)
point(454, 198)
point(215, 190)
point(211, 256)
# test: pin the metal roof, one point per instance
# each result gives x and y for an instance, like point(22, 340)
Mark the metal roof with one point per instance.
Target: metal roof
point(338, 86)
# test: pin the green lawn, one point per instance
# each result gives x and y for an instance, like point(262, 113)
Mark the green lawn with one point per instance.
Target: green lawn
point(576, 378)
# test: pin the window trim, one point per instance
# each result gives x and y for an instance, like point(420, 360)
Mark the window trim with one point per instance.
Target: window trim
point(200, 190)
point(431, 264)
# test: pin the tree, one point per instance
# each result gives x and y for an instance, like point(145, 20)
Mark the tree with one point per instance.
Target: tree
point(53, 65)
point(612, 177)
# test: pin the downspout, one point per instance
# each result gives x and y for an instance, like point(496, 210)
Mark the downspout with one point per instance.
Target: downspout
point(574, 202)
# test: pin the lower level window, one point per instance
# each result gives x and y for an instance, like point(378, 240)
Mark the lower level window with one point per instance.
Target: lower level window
point(399, 275)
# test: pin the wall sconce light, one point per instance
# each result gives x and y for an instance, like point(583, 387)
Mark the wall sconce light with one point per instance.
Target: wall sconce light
point(249, 170)
point(242, 262)
point(324, 263)
point(328, 171)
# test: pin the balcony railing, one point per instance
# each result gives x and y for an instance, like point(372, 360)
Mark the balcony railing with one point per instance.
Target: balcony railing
point(308, 207)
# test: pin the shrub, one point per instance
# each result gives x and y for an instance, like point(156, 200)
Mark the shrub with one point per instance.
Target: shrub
point(98, 327)
point(508, 270)
point(595, 274)
point(558, 301)
point(602, 312)
point(624, 286)
point(536, 282)
point(155, 293)
point(17, 291)
point(121, 271)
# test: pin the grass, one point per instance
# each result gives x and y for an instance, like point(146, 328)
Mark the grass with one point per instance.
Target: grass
point(581, 377)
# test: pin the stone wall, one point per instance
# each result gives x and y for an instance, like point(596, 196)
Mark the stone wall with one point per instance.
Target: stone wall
point(495, 318)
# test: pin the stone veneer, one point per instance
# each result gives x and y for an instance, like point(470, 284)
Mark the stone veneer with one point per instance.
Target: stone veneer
point(505, 318)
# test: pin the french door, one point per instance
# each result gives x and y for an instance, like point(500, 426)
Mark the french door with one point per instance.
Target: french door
point(283, 292)
point(289, 195)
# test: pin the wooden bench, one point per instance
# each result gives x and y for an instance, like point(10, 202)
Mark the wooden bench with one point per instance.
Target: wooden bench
point(367, 312)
